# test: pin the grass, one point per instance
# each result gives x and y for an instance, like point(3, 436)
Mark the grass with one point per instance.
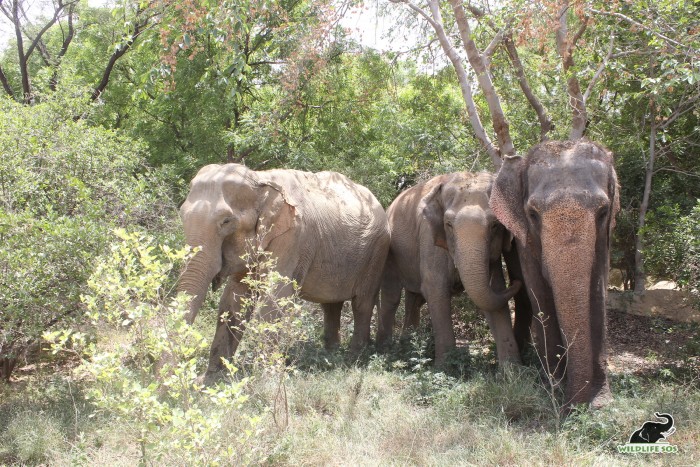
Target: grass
point(378, 410)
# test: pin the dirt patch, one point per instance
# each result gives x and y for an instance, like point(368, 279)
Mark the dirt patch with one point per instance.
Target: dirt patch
point(646, 344)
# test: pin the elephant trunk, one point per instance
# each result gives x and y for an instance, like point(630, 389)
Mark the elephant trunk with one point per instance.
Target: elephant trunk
point(198, 274)
point(472, 259)
point(669, 421)
point(568, 253)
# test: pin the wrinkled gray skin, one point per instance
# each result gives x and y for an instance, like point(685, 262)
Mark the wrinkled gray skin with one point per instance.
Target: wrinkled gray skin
point(445, 239)
point(326, 232)
point(560, 204)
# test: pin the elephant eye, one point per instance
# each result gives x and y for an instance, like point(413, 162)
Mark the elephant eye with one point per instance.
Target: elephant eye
point(448, 224)
point(226, 222)
point(533, 215)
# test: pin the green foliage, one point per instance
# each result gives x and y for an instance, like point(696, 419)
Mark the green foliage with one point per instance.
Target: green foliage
point(673, 250)
point(146, 374)
point(63, 186)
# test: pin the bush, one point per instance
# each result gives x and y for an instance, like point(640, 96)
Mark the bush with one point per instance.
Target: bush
point(673, 249)
point(64, 185)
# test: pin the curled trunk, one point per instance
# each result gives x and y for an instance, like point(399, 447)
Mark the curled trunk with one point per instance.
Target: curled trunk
point(473, 264)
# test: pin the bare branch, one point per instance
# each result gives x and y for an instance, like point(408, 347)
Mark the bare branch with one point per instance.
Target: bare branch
point(600, 69)
point(67, 39)
point(139, 27)
point(565, 48)
point(465, 82)
point(498, 118)
point(23, 69)
point(545, 121)
point(6, 84)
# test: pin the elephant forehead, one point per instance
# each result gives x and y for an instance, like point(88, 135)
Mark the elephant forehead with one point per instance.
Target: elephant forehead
point(583, 178)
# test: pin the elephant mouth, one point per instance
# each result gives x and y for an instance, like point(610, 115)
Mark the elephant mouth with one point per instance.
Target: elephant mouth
point(216, 282)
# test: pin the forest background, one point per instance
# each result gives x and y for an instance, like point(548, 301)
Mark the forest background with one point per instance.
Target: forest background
point(107, 111)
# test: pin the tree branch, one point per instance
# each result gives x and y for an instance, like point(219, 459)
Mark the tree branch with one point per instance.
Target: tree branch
point(546, 124)
point(498, 118)
point(118, 53)
point(53, 81)
point(641, 26)
point(465, 83)
point(600, 69)
point(565, 48)
point(23, 69)
point(545, 121)
point(6, 84)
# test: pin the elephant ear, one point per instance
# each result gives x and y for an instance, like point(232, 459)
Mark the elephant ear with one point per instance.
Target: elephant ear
point(277, 213)
point(434, 212)
point(614, 191)
point(507, 197)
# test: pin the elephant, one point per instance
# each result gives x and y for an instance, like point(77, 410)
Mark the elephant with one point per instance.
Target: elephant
point(560, 202)
point(445, 239)
point(327, 233)
point(652, 432)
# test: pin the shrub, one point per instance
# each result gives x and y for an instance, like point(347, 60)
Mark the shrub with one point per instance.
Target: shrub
point(145, 359)
point(64, 185)
point(674, 252)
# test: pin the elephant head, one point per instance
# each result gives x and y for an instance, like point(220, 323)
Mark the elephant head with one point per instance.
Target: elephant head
point(457, 210)
point(227, 206)
point(560, 204)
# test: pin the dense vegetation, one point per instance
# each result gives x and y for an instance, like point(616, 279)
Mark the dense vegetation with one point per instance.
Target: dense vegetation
point(106, 113)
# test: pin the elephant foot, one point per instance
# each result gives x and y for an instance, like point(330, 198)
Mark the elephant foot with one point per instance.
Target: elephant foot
point(211, 378)
point(603, 398)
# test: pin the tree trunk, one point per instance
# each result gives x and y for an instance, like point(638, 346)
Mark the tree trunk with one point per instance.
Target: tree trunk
point(639, 273)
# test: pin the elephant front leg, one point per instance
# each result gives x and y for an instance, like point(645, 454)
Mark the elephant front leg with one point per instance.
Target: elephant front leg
point(331, 324)
point(229, 330)
point(439, 306)
point(500, 323)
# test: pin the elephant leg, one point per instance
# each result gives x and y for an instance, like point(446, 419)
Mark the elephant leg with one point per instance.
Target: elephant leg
point(414, 301)
point(500, 323)
point(523, 308)
point(390, 299)
point(229, 329)
point(331, 324)
point(362, 308)
point(439, 306)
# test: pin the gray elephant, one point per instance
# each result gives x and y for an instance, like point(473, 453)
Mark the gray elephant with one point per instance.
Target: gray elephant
point(560, 203)
point(327, 233)
point(653, 432)
point(444, 239)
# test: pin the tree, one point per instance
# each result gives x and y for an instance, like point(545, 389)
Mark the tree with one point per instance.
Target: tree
point(53, 36)
point(658, 49)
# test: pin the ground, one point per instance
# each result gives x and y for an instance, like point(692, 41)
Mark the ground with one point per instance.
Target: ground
point(644, 345)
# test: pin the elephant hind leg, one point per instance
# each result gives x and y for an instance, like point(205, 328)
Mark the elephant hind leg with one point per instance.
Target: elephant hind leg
point(331, 324)
point(414, 301)
point(362, 308)
point(390, 299)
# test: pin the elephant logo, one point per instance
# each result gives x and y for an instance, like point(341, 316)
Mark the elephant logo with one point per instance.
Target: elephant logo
point(654, 432)
point(652, 436)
